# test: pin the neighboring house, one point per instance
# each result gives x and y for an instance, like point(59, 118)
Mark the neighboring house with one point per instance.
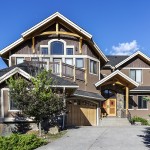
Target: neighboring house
point(95, 85)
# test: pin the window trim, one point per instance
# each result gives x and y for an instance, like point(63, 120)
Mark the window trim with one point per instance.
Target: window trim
point(76, 62)
point(53, 40)
point(135, 75)
point(19, 57)
point(138, 103)
point(10, 110)
point(96, 67)
point(44, 46)
point(70, 46)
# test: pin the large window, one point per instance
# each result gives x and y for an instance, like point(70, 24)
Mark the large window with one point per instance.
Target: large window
point(44, 50)
point(142, 103)
point(79, 63)
point(19, 60)
point(93, 67)
point(57, 48)
point(136, 75)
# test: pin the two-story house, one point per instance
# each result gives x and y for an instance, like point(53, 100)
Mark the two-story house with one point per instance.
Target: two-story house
point(94, 85)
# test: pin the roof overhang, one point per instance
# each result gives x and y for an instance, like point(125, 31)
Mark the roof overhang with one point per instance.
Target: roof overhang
point(118, 76)
point(14, 71)
point(138, 53)
point(57, 14)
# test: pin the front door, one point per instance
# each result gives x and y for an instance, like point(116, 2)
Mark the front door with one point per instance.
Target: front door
point(109, 107)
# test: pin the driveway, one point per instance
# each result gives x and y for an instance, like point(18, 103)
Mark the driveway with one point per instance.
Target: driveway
point(103, 138)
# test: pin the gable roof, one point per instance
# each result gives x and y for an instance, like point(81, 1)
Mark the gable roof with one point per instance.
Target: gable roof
point(57, 14)
point(138, 53)
point(91, 95)
point(47, 20)
point(115, 59)
point(122, 75)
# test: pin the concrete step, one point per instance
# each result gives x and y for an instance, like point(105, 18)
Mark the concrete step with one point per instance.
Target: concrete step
point(115, 122)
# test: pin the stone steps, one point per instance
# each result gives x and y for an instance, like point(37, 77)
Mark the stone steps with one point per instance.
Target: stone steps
point(114, 122)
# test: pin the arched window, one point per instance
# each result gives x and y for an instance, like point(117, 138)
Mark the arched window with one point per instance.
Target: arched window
point(108, 93)
point(57, 48)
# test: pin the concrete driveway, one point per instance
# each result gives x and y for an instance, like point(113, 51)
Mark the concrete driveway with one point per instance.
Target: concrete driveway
point(103, 138)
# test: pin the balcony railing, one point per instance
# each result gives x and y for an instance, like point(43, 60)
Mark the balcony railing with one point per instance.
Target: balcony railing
point(61, 69)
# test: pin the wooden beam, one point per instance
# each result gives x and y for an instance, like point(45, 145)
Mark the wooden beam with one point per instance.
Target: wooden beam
point(80, 45)
point(33, 45)
point(57, 28)
point(59, 32)
point(127, 100)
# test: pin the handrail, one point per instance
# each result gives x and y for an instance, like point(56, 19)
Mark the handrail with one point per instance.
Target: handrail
point(61, 69)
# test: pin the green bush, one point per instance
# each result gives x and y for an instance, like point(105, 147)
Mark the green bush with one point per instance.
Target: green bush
point(21, 142)
point(139, 119)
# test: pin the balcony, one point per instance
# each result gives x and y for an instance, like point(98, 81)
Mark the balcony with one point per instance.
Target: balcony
point(61, 69)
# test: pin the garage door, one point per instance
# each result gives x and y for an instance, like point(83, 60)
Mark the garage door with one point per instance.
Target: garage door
point(81, 113)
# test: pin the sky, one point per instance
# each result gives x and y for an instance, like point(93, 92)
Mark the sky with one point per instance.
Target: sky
point(119, 27)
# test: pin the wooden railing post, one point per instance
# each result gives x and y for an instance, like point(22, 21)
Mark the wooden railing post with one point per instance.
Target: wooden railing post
point(60, 68)
point(74, 73)
point(33, 45)
point(80, 45)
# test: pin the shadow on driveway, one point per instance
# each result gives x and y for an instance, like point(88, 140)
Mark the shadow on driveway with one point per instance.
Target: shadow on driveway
point(146, 137)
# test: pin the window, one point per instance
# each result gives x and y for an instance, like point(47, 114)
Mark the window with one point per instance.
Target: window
point(12, 104)
point(93, 67)
point(45, 59)
point(69, 61)
point(131, 102)
point(19, 60)
point(44, 50)
point(34, 59)
point(79, 63)
point(136, 75)
point(69, 51)
point(142, 104)
point(57, 48)
point(108, 93)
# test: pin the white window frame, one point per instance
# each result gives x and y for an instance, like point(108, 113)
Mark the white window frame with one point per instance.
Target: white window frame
point(138, 103)
point(16, 59)
point(83, 63)
point(70, 46)
point(135, 74)
point(90, 67)
point(44, 46)
point(53, 40)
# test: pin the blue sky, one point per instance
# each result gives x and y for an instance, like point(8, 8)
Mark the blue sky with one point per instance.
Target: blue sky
point(118, 26)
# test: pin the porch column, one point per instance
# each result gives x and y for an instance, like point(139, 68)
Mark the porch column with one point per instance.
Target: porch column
point(127, 100)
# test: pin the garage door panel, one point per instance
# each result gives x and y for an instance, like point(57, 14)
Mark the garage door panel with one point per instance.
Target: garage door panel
point(81, 113)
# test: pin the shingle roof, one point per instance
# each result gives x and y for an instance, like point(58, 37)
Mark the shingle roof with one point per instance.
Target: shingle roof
point(141, 89)
point(90, 95)
point(25, 67)
point(115, 59)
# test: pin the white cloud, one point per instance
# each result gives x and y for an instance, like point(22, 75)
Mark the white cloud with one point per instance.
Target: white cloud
point(125, 48)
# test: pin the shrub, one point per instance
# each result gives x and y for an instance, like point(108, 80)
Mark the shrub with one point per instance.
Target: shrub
point(21, 142)
point(139, 119)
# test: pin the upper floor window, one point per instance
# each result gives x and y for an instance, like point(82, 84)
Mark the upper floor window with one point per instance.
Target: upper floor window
point(34, 59)
point(69, 51)
point(57, 48)
point(93, 67)
point(79, 63)
point(44, 50)
point(19, 60)
point(142, 103)
point(136, 75)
